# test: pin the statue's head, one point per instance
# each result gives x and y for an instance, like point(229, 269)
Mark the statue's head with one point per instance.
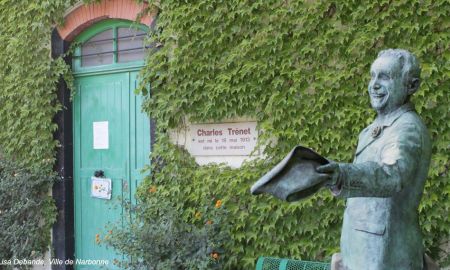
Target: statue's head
point(395, 76)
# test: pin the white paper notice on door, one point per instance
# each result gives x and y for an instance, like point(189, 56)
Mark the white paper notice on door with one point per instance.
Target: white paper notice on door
point(101, 135)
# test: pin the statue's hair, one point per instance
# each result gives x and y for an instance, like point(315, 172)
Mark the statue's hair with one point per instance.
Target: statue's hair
point(408, 62)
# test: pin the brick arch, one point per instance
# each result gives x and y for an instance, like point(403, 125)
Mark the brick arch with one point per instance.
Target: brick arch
point(82, 16)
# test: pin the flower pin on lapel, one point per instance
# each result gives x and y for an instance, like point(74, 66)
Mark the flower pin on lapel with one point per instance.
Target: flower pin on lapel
point(376, 131)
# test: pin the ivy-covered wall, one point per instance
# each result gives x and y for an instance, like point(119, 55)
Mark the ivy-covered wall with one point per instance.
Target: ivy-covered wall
point(28, 104)
point(28, 79)
point(301, 68)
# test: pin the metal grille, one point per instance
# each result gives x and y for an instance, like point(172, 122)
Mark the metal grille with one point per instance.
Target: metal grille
point(271, 264)
point(305, 265)
point(285, 264)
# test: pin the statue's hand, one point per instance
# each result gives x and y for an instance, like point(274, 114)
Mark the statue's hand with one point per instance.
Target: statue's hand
point(333, 171)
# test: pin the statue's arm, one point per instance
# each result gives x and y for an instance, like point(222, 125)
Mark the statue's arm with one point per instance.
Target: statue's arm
point(395, 166)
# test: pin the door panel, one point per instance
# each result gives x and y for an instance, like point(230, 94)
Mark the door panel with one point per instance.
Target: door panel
point(103, 98)
point(139, 137)
point(108, 98)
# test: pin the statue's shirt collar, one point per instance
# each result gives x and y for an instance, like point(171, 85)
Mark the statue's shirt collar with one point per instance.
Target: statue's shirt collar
point(375, 130)
point(390, 118)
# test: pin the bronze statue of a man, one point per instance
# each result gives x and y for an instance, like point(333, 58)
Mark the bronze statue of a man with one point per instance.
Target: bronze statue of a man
point(384, 184)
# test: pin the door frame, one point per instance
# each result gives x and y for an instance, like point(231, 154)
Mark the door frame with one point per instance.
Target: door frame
point(63, 231)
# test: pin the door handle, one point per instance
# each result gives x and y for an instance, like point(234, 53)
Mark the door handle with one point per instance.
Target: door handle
point(124, 184)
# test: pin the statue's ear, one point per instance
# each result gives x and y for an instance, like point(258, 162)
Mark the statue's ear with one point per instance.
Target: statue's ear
point(413, 86)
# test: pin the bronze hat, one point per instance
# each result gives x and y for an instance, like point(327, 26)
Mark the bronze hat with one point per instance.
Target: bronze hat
point(295, 177)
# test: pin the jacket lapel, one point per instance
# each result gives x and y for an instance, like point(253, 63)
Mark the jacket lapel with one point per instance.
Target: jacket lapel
point(365, 140)
point(368, 136)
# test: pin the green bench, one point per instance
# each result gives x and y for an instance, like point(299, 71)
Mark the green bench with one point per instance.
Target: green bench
point(268, 263)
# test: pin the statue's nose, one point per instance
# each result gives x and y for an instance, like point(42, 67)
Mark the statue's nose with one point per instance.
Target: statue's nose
point(376, 86)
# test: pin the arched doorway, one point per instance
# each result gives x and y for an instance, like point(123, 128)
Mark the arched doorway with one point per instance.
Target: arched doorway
point(111, 136)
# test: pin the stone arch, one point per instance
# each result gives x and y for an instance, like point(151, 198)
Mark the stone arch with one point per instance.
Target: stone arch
point(81, 16)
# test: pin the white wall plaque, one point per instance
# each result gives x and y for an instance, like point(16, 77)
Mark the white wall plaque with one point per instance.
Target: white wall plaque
point(101, 188)
point(101, 135)
point(225, 139)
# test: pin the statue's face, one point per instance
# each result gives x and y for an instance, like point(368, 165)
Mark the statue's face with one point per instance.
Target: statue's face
point(386, 89)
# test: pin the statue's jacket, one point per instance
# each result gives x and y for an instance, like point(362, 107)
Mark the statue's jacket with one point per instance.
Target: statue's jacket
point(383, 188)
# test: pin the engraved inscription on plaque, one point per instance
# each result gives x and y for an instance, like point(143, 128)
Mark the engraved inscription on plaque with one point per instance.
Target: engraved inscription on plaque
point(225, 139)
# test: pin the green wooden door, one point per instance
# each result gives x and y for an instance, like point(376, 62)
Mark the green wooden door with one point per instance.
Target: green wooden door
point(106, 98)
